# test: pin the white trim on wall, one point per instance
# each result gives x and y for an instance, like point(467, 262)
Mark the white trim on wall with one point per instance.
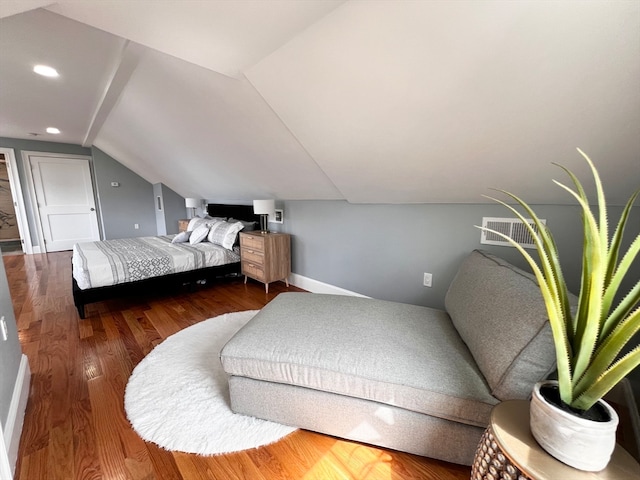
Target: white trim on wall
point(5, 467)
point(31, 191)
point(16, 190)
point(15, 418)
point(316, 286)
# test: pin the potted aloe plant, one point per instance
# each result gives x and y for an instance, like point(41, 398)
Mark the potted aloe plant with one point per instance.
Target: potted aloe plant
point(589, 340)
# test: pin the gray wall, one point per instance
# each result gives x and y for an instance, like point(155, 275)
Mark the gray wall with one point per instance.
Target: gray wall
point(174, 209)
point(19, 146)
point(124, 206)
point(10, 351)
point(382, 251)
point(171, 209)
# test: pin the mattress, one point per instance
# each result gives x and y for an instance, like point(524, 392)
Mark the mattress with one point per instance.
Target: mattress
point(112, 262)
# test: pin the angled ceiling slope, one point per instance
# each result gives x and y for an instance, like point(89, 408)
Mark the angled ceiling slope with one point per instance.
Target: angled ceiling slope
point(200, 132)
point(223, 36)
point(13, 7)
point(215, 139)
point(371, 101)
point(435, 101)
point(30, 103)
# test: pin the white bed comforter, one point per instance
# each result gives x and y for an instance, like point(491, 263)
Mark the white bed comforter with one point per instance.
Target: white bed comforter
point(110, 262)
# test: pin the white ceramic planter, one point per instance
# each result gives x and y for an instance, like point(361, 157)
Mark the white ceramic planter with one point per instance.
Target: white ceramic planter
point(580, 443)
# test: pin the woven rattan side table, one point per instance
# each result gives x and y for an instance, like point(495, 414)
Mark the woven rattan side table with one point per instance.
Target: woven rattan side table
point(508, 451)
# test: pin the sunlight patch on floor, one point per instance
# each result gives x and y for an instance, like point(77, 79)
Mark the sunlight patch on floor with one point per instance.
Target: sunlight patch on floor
point(348, 460)
point(351, 461)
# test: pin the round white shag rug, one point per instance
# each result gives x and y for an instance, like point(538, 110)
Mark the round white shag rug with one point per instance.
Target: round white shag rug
point(178, 396)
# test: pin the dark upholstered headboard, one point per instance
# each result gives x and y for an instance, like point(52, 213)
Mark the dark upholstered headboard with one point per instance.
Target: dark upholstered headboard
point(239, 212)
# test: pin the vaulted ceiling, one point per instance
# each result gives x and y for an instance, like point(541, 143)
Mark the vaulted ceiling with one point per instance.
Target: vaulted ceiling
point(371, 101)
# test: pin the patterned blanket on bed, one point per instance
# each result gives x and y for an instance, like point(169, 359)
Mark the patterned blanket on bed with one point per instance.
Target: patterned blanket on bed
point(110, 262)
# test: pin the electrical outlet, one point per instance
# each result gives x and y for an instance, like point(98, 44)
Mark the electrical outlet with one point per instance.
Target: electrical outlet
point(427, 279)
point(136, 226)
point(3, 329)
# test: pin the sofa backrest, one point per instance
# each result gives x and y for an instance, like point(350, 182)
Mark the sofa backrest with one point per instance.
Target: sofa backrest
point(499, 312)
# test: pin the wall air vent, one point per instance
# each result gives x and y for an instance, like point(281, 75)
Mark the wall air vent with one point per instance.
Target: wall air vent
point(512, 227)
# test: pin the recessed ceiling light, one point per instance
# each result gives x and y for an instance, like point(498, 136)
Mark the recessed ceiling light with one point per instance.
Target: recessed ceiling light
point(53, 130)
point(46, 71)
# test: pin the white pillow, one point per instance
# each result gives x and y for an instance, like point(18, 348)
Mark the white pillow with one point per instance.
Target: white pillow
point(195, 222)
point(199, 234)
point(182, 237)
point(212, 224)
point(224, 233)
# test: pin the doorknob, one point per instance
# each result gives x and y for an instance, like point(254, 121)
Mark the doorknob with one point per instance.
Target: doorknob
point(92, 209)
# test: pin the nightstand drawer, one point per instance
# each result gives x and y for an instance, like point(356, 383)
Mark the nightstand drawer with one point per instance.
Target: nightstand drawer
point(252, 256)
point(252, 242)
point(254, 271)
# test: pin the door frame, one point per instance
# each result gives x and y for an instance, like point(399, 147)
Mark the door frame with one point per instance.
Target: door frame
point(35, 211)
point(18, 199)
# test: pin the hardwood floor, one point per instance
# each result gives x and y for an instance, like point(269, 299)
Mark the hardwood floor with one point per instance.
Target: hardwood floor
point(75, 425)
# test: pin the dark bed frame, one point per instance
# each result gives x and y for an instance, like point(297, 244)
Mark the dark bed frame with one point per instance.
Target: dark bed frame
point(167, 282)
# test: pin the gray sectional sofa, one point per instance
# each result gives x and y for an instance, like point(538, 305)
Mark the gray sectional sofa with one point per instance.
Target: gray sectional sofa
point(400, 376)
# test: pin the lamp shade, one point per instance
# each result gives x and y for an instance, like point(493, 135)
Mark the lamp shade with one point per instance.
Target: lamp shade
point(264, 207)
point(192, 202)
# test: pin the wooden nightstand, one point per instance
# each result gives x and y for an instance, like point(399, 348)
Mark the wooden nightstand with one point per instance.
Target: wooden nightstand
point(183, 224)
point(507, 449)
point(266, 257)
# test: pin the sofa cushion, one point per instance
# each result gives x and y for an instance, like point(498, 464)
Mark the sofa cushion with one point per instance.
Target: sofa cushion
point(397, 354)
point(499, 312)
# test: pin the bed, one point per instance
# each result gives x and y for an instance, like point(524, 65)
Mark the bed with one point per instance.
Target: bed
point(116, 268)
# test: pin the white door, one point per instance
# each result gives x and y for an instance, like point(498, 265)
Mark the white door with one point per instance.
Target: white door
point(66, 206)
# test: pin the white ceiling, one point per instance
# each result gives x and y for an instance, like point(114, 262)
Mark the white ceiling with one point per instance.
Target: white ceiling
point(370, 101)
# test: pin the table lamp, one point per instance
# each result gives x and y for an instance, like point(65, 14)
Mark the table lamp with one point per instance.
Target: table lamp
point(264, 208)
point(192, 204)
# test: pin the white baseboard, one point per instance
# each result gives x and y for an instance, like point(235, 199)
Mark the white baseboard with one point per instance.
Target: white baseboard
point(316, 286)
point(15, 419)
point(5, 467)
